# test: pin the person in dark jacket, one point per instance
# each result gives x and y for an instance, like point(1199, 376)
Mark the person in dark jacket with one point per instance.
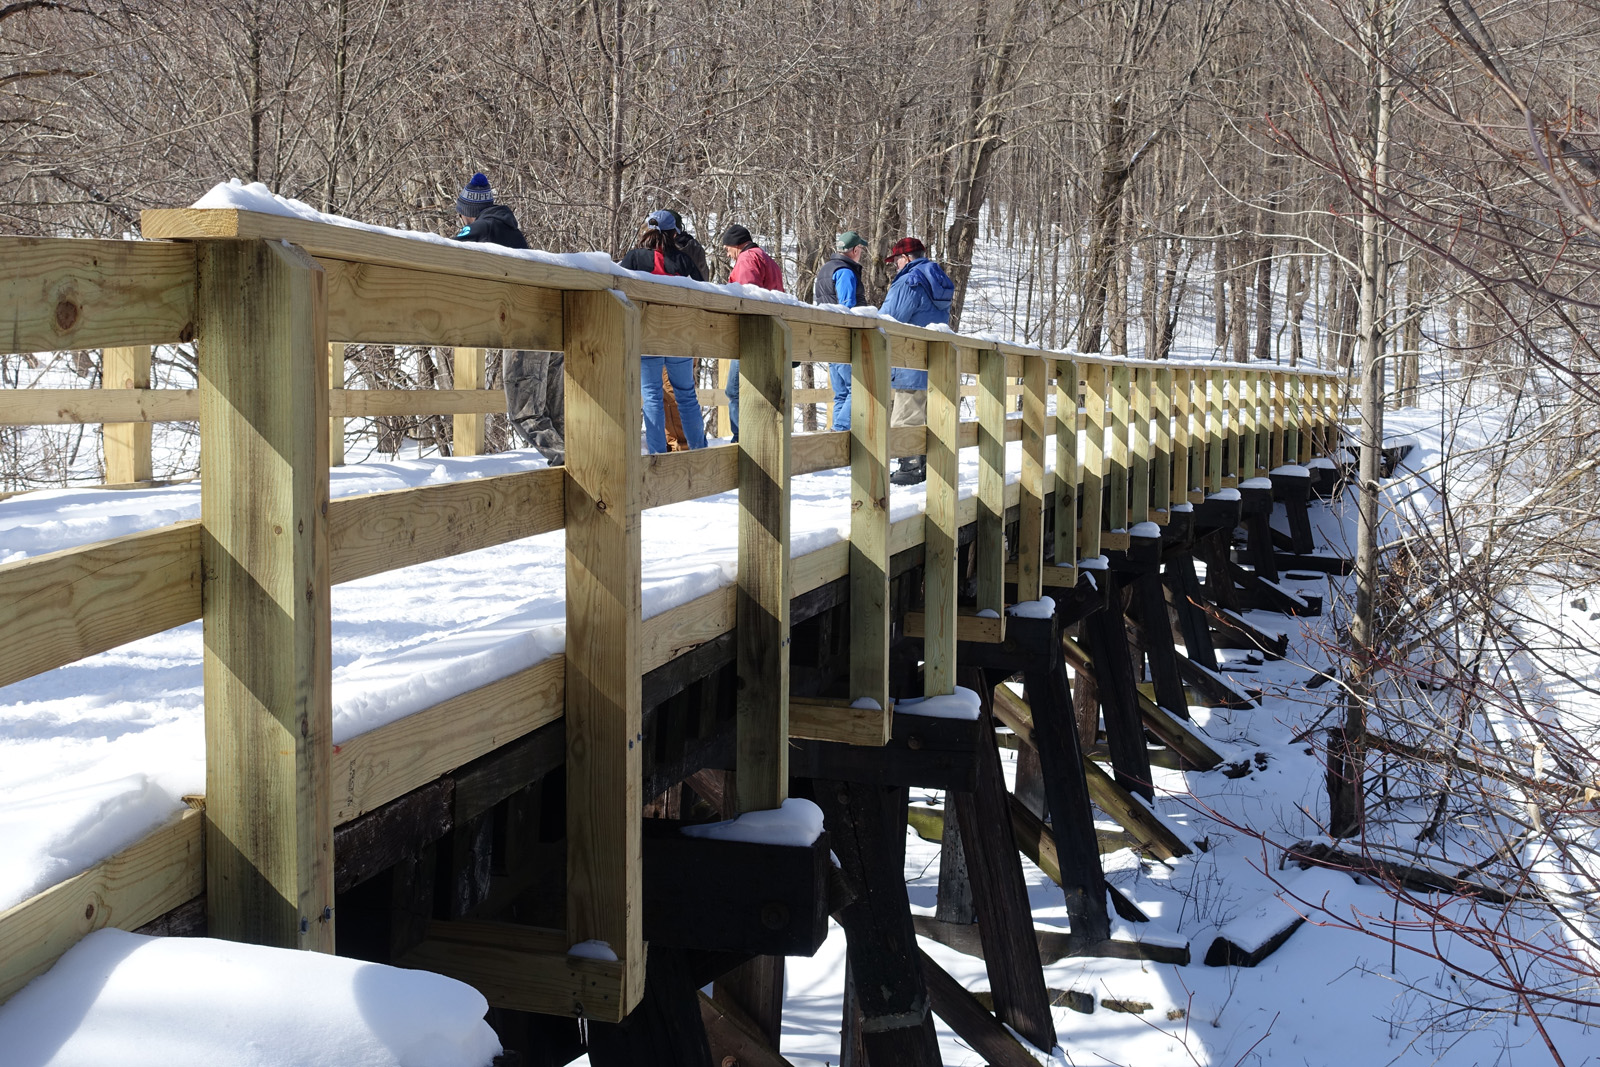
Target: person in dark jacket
point(658, 252)
point(691, 247)
point(535, 382)
point(919, 295)
point(751, 266)
point(839, 282)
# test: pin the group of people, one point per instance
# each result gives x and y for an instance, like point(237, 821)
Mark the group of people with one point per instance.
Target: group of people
point(919, 295)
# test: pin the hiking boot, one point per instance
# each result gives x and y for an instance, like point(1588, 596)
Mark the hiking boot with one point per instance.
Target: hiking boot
point(913, 470)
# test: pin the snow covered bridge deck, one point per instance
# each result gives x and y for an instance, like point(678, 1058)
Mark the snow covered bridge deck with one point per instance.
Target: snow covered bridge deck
point(629, 563)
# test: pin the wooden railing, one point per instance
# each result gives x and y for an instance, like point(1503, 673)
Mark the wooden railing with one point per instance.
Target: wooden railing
point(261, 296)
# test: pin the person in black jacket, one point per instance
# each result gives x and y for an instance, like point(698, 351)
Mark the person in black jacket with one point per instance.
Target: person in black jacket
point(658, 252)
point(535, 382)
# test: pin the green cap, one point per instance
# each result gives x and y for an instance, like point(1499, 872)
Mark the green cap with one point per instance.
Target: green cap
point(848, 240)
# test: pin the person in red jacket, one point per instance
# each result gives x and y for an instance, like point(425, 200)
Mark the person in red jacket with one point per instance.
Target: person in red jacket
point(751, 266)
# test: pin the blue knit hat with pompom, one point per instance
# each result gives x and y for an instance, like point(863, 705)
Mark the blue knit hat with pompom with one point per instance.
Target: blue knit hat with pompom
point(475, 196)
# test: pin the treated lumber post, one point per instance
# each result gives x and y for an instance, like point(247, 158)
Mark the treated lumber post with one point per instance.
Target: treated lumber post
point(991, 593)
point(1139, 446)
point(954, 903)
point(469, 374)
point(1117, 449)
point(940, 526)
point(1186, 459)
point(762, 602)
point(971, 1020)
point(603, 696)
point(1106, 641)
point(1249, 419)
point(1181, 579)
point(1280, 446)
point(335, 423)
point(753, 991)
point(127, 444)
point(1030, 523)
point(1159, 646)
point(1216, 438)
point(999, 894)
point(869, 516)
point(1161, 464)
point(1067, 472)
point(666, 1028)
point(867, 825)
point(1094, 460)
point(261, 344)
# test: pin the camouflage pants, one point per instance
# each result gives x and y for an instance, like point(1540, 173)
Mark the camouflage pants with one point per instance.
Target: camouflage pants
point(535, 400)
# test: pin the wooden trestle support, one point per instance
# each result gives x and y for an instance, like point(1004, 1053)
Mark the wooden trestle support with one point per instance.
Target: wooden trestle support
point(489, 836)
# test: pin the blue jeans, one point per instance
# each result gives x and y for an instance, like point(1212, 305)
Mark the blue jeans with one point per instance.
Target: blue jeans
point(839, 378)
point(680, 372)
point(733, 397)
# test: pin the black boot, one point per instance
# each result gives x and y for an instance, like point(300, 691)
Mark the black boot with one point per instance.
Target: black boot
point(913, 470)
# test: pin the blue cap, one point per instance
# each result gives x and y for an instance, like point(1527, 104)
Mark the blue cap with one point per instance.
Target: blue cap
point(664, 221)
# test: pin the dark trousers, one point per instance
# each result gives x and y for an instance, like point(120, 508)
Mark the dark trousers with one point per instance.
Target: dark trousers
point(535, 400)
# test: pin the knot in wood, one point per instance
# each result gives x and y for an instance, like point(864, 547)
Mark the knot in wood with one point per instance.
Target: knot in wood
point(774, 915)
point(66, 315)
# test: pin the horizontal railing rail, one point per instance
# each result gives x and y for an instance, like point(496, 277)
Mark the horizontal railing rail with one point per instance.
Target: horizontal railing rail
point(261, 296)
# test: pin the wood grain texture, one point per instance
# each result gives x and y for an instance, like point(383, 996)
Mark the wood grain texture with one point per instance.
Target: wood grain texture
point(1132, 816)
point(1139, 445)
point(1068, 474)
point(67, 293)
point(939, 529)
point(1117, 451)
point(869, 516)
point(262, 348)
point(58, 608)
point(380, 532)
point(1094, 461)
point(1030, 523)
point(467, 430)
point(370, 303)
point(762, 601)
point(990, 548)
point(603, 412)
point(675, 477)
point(67, 407)
point(1161, 405)
point(524, 968)
point(127, 445)
point(335, 387)
point(818, 719)
point(373, 768)
point(126, 890)
point(356, 403)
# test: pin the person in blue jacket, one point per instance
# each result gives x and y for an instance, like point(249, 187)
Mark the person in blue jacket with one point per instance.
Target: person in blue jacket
point(920, 296)
point(839, 282)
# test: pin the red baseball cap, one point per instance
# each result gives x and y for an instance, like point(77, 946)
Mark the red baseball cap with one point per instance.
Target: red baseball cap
point(906, 246)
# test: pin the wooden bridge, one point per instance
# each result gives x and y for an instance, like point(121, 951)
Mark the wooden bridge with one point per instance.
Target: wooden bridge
point(488, 836)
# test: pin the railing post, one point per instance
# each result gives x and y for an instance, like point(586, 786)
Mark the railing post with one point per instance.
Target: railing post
point(762, 731)
point(1030, 524)
point(335, 422)
point(603, 694)
point(1161, 465)
point(469, 374)
point(1249, 418)
point(1139, 445)
point(990, 546)
point(869, 516)
point(1094, 460)
point(262, 351)
point(127, 444)
point(940, 527)
point(1216, 437)
point(1067, 471)
point(1117, 448)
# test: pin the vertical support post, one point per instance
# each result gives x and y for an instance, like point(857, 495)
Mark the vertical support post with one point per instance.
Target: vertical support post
point(1117, 445)
point(262, 331)
point(1280, 448)
point(869, 516)
point(1030, 524)
point(469, 374)
point(1139, 446)
point(335, 423)
point(127, 444)
point(1215, 438)
point(1094, 460)
point(1067, 470)
point(1161, 464)
point(1190, 452)
point(1289, 387)
point(940, 526)
point(1245, 415)
point(603, 696)
point(762, 602)
point(991, 480)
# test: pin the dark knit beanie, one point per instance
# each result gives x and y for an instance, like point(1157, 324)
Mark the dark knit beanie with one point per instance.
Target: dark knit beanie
point(475, 196)
point(736, 237)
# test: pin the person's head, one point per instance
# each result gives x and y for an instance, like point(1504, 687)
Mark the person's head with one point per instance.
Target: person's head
point(665, 221)
point(850, 243)
point(904, 251)
point(735, 240)
point(653, 239)
point(474, 197)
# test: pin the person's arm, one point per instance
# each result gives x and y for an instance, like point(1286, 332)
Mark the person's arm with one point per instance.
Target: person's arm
point(472, 231)
point(844, 286)
point(744, 272)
